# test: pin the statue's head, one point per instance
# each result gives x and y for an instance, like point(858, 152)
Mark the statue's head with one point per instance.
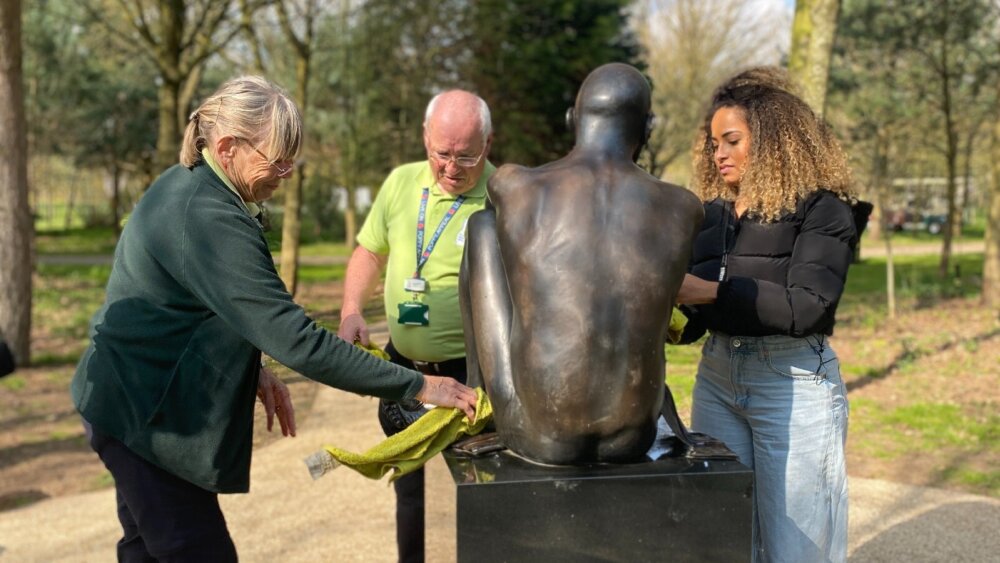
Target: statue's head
point(614, 99)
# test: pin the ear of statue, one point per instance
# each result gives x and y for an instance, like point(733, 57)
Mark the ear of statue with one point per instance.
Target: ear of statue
point(570, 119)
point(650, 123)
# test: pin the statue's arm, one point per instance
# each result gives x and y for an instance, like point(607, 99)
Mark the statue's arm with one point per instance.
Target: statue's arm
point(486, 309)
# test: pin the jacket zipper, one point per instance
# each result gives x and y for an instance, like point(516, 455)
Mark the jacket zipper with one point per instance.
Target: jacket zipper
point(725, 241)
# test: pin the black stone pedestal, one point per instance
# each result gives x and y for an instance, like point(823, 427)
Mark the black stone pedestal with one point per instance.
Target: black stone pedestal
point(672, 509)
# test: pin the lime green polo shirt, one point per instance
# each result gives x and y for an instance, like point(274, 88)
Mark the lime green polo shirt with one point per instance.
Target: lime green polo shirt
point(391, 228)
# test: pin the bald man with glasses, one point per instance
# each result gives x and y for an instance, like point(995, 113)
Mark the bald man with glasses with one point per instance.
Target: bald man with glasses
point(415, 231)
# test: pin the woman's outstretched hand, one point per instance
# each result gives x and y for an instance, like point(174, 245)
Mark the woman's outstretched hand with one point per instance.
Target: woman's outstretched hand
point(446, 392)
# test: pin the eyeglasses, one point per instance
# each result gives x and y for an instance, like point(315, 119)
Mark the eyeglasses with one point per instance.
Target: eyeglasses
point(463, 161)
point(282, 170)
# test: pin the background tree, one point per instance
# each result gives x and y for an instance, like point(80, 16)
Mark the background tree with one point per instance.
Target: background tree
point(16, 231)
point(813, 32)
point(116, 132)
point(875, 104)
point(178, 37)
point(952, 43)
point(991, 257)
point(301, 40)
point(689, 48)
point(909, 97)
point(527, 59)
point(87, 103)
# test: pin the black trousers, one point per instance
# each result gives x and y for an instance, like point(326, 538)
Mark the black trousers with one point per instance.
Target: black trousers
point(410, 488)
point(163, 517)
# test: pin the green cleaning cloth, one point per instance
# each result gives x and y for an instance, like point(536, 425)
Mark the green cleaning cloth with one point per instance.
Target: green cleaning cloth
point(408, 450)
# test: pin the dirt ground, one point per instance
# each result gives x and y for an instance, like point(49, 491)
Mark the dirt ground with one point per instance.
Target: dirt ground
point(942, 354)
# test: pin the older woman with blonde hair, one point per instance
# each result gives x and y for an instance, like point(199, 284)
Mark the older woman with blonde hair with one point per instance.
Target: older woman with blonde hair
point(768, 270)
point(166, 388)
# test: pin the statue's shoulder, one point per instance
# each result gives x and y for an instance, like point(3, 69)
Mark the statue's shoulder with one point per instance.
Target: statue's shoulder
point(679, 197)
point(507, 178)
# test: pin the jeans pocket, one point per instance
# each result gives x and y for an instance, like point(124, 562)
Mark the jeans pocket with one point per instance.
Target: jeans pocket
point(803, 364)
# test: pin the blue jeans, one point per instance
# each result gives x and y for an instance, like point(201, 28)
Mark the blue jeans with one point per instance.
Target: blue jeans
point(779, 403)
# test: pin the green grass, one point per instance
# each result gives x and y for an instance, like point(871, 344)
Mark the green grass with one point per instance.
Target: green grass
point(98, 274)
point(324, 249)
point(987, 481)
point(956, 434)
point(682, 365)
point(928, 426)
point(85, 241)
point(13, 383)
point(56, 359)
point(103, 481)
point(915, 277)
point(321, 274)
point(64, 299)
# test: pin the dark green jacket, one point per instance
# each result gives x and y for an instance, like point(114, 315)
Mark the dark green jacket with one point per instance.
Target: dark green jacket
point(192, 299)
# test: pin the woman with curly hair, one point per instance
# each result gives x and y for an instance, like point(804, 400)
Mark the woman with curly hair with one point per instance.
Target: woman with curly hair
point(767, 272)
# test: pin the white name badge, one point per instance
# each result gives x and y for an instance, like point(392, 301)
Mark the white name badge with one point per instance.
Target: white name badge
point(416, 285)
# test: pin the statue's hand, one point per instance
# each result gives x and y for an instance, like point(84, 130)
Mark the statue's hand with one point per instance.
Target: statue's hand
point(354, 329)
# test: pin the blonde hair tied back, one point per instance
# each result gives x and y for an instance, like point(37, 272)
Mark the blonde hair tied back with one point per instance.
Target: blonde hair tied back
point(249, 107)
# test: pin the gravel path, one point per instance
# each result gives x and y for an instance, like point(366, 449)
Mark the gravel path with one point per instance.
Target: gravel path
point(345, 517)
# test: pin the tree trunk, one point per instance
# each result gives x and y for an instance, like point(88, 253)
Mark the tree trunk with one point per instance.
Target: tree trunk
point(966, 178)
point(951, 161)
point(16, 232)
point(168, 136)
point(185, 97)
point(291, 222)
point(70, 206)
point(991, 255)
point(351, 217)
point(813, 32)
point(116, 176)
point(880, 173)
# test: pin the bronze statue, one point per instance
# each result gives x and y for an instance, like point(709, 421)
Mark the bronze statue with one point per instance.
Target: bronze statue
point(568, 282)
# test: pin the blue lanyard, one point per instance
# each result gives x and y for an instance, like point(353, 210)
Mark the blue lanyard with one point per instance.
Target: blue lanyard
point(423, 254)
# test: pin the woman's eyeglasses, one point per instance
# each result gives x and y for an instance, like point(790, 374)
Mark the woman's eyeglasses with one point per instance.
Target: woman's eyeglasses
point(282, 170)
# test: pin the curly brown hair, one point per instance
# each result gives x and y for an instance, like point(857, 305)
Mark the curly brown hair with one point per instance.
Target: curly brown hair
point(792, 151)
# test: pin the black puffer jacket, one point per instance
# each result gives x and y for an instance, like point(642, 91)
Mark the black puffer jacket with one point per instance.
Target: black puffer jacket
point(784, 277)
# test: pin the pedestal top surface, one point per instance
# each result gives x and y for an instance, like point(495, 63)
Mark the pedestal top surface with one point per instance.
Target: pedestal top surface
point(506, 467)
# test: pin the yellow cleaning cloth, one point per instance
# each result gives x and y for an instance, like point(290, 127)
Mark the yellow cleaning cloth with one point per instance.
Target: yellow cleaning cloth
point(408, 450)
point(373, 350)
point(678, 321)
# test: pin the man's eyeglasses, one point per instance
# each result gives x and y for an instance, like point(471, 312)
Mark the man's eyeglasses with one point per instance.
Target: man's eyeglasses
point(463, 161)
point(282, 170)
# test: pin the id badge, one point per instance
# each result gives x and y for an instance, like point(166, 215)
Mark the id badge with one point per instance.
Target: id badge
point(414, 314)
point(415, 285)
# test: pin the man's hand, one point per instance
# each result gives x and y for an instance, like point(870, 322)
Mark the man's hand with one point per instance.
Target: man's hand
point(696, 291)
point(277, 400)
point(446, 392)
point(354, 329)
point(363, 270)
